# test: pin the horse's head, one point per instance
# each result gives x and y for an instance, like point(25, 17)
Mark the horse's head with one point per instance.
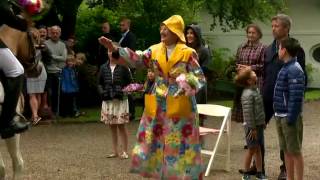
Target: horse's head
point(26, 51)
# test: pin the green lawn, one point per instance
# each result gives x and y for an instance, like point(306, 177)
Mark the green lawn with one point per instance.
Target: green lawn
point(93, 114)
point(313, 94)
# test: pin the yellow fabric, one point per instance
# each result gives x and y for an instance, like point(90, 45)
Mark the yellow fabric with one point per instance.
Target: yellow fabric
point(151, 108)
point(179, 106)
point(176, 25)
point(181, 53)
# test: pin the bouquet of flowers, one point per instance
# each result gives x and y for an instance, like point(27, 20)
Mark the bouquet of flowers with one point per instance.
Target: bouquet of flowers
point(133, 87)
point(188, 83)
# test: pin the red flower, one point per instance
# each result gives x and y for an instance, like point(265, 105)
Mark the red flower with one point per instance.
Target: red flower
point(175, 119)
point(187, 130)
point(149, 119)
point(141, 136)
point(157, 130)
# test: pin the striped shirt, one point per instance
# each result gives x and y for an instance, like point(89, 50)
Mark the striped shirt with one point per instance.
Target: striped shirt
point(252, 55)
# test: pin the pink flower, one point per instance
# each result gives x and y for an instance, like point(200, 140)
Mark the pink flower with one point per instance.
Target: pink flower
point(184, 85)
point(134, 87)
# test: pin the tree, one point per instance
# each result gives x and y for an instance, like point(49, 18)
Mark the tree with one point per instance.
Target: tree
point(146, 17)
point(232, 14)
point(64, 14)
point(229, 14)
point(68, 10)
point(84, 17)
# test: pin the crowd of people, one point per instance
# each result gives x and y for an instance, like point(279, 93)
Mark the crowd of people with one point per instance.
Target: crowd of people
point(58, 79)
point(54, 92)
point(270, 83)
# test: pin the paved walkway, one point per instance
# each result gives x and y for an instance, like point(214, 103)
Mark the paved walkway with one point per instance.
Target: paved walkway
point(78, 151)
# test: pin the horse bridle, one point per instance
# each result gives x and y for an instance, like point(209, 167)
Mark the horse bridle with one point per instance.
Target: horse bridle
point(33, 62)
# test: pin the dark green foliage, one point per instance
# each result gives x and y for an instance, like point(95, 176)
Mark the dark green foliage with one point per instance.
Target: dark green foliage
point(222, 64)
point(233, 14)
point(147, 15)
point(222, 71)
point(310, 70)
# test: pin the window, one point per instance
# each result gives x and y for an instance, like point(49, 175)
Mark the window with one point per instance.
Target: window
point(316, 52)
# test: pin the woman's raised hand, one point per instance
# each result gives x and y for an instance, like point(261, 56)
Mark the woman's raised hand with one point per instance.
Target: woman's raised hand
point(107, 43)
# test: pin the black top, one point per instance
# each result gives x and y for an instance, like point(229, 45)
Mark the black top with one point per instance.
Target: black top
point(129, 41)
point(102, 54)
point(110, 86)
point(203, 51)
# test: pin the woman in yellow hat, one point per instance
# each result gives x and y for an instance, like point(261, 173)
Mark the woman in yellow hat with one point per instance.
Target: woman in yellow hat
point(168, 136)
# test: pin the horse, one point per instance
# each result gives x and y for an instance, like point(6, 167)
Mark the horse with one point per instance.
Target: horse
point(13, 144)
point(22, 45)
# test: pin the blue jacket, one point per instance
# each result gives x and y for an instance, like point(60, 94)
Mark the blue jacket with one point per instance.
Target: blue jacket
point(273, 65)
point(289, 90)
point(69, 80)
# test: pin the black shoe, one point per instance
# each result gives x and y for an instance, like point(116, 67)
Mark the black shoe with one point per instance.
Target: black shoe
point(14, 128)
point(261, 176)
point(252, 171)
point(282, 175)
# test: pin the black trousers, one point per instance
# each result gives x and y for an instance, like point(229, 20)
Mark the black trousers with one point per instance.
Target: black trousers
point(54, 91)
point(68, 104)
point(132, 110)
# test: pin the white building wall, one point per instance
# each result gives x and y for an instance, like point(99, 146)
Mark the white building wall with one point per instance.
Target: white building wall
point(306, 28)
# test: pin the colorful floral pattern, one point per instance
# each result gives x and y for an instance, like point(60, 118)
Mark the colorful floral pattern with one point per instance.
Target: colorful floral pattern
point(167, 148)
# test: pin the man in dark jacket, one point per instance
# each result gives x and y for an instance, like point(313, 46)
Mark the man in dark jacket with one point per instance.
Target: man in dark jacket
point(13, 72)
point(281, 24)
point(128, 40)
point(102, 55)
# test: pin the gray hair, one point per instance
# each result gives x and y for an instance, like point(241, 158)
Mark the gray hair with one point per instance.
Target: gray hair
point(56, 27)
point(285, 20)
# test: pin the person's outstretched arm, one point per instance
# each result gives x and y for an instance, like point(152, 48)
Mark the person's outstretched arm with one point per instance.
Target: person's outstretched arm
point(126, 56)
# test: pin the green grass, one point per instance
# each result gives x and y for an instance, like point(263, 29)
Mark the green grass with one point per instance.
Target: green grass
point(93, 114)
point(312, 95)
point(227, 103)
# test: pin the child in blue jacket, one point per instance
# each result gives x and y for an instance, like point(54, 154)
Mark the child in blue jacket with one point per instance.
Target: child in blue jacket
point(287, 103)
point(69, 88)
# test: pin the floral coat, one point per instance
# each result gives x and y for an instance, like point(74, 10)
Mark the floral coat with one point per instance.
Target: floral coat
point(167, 144)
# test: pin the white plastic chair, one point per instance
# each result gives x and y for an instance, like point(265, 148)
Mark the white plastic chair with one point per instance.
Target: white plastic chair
point(216, 111)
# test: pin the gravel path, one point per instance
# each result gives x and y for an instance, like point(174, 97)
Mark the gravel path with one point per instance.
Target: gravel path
point(78, 151)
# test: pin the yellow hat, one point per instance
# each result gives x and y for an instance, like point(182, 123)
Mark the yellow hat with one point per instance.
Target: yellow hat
point(176, 25)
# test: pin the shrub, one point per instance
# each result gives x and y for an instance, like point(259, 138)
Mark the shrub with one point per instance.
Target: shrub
point(222, 70)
